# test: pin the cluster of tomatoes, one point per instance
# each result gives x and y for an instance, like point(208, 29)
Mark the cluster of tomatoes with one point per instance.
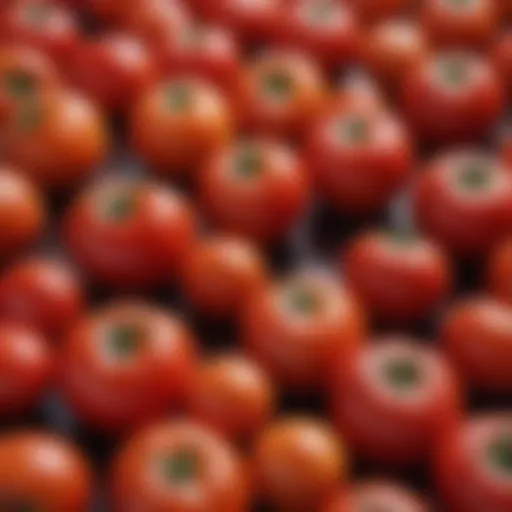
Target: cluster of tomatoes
point(234, 110)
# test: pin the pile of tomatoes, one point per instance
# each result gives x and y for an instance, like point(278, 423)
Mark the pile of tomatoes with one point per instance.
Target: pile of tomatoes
point(156, 156)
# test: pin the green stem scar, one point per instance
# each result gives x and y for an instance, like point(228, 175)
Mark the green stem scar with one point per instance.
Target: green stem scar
point(179, 467)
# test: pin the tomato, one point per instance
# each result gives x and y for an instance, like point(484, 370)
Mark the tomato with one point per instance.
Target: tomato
point(41, 24)
point(499, 271)
point(506, 149)
point(233, 396)
point(26, 366)
point(113, 70)
point(178, 123)
point(255, 187)
point(502, 55)
point(206, 51)
point(399, 277)
point(130, 234)
point(221, 273)
point(464, 201)
point(477, 335)
point(41, 471)
point(372, 11)
point(473, 466)
point(392, 49)
point(359, 92)
point(295, 327)
point(394, 400)
point(358, 158)
point(57, 140)
point(179, 466)
point(461, 97)
point(326, 29)
point(42, 293)
point(460, 23)
point(385, 496)
point(280, 93)
point(299, 462)
point(22, 213)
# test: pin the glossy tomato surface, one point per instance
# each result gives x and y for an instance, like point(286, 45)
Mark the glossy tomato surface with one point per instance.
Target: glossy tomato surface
point(502, 56)
point(372, 11)
point(499, 271)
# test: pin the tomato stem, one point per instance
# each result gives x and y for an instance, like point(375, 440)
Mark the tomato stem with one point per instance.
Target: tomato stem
point(179, 97)
point(500, 453)
point(124, 340)
point(278, 85)
point(474, 176)
point(19, 84)
point(354, 130)
point(453, 71)
point(180, 467)
point(303, 301)
point(248, 161)
point(402, 373)
point(120, 207)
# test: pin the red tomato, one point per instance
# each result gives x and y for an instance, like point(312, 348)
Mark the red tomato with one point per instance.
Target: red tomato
point(40, 471)
point(394, 399)
point(221, 273)
point(26, 366)
point(255, 187)
point(359, 92)
point(130, 234)
point(506, 149)
point(461, 98)
point(299, 462)
point(473, 469)
point(179, 466)
point(280, 93)
point(296, 326)
point(398, 277)
point(358, 157)
point(464, 201)
point(477, 334)
point(460, 23)
point(499, 271)
point(502, 55)
point(125, 365)
point(113, 70)
point(22, 213)
point(376, 10)
point(233, 396)
point(178, 123)
point(44, 294)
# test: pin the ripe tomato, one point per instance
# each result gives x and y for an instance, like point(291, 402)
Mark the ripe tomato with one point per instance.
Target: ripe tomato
point(41, 24)
point(233, 396)
point(460, 23)
point(398, 277)
point(113, 70)
point(464, 201)
point(280, 93)
point(130, 234)
point(372, 11)
point(295, 327)
point(178, 123)
point(299, 463)
point(57, 140)
point(473, 467)
point(179, 466)
point(40, 471)
point(461, 97)
point(44, 294)
point(499, 271)
point(358, 92)
point(254, 187)
point(506, 149)
point(22, 213)
point(477, 335)
point(394, 399)
point(502, 55)
point(124, 365)
point(26, 366)
point(221, 273)
point(358, 157)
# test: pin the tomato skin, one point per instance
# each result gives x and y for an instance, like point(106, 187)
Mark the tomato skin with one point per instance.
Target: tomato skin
point(478, 339)
point(461, 89)
point(177, 124)
point(385, 419)
point(42, 470)
point(467, 25)
point(359, 92)
point(113, 70)
point(372, 11)
point(502, 57)
point(295, 327)
point(451, 207)
point(26, 367)
point(125, 365)
point(130, 234)
point(299, 462)
point(467, 477)
point(138, 483)
point(499, 271)
point(221, 273)
point(41, 293)
point(398, 280)
point(233, 396)
point(358, 158)
point(22, 213)
point(280, 93)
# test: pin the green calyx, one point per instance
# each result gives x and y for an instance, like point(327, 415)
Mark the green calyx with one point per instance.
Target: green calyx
point(247, 161)
point(354, 131)
point(120, 206)
point(303, 301)
point(18, 84)
point(277, 85)
point(500, 454)
point(178, 97)
point(123, 341)
point(180, 467)
point(402, 374)
point(474, 176)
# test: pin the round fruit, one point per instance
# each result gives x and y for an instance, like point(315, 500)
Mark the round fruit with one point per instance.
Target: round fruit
point(499, 271)
point(372, 11)
point(502, 55)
